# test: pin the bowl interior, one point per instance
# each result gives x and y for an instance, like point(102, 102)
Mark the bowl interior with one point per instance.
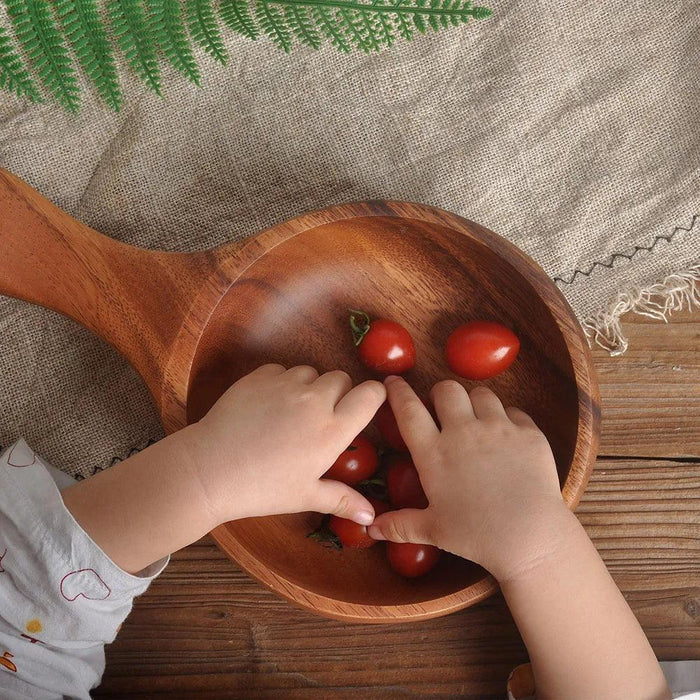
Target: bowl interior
point(291, 307)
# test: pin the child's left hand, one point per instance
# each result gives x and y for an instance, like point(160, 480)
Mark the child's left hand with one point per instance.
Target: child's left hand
point(265, 444)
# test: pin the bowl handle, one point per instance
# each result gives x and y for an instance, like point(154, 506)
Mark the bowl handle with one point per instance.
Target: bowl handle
point(134, 299)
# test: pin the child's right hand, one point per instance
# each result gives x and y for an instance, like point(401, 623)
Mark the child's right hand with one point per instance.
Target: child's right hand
point(489, 475)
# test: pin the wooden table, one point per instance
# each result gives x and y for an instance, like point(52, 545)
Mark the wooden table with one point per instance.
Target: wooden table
point(205, 630)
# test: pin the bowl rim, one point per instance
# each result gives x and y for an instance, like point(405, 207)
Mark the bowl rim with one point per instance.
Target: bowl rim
point(232, 262)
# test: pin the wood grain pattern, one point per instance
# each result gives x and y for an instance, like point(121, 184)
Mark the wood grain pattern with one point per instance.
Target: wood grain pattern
point(193, 324)
point(651, 394)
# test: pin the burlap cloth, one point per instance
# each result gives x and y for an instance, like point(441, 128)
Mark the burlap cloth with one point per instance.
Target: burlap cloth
point(572, 128)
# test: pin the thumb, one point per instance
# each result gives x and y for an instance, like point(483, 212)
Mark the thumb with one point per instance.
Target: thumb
point(339, 499)
point(406, 525)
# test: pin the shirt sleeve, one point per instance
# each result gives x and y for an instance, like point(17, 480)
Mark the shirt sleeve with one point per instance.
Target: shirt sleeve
point(62, 597)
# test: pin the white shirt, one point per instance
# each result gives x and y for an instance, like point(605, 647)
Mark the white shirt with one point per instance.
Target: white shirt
point(61, 597)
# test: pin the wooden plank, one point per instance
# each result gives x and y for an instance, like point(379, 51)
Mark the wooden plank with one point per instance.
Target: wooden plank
point(651, 394)
point(206, 630)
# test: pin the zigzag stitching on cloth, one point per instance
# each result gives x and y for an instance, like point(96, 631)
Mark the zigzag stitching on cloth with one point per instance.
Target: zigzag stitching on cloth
point(616, 256)
point(116, 459)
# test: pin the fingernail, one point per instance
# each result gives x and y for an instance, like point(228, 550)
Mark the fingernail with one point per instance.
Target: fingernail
point(390, 379)
point(375, 533)
point(364, 517)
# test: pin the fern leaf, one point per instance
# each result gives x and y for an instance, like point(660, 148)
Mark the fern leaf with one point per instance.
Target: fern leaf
point(329, 27)
point(452, 5)
point(204, 30)
point(368, 22)
point(35, 28)
point(131, 30)
point(13, 74)
point(165, 18)
point(302, 27)
point(236, 16)
point(353, 25)
point(385, 26)
point(273, 24)
point(85, 31)
point(419, 22)
point(402, 22)
point(433, 19)
point(480, 12)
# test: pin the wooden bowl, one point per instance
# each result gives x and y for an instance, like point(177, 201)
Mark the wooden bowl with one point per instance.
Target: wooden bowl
point(192, 324)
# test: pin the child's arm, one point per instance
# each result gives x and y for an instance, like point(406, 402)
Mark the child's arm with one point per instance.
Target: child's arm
point(260, 450)
point(490, 477)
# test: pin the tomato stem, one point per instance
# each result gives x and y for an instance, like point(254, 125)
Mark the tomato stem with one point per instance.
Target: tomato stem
point(359, 330)
point(325, 535)
point(374, 488)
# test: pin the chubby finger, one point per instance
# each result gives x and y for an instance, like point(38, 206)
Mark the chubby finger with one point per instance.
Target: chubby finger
point(520, 417)
point(272, 369)
point(357, 408)
point(486, 404)
point(416, 425)
point(340, 499)
point(406, 525)
point(452, 403)
point(302, 373)
point(334, 384)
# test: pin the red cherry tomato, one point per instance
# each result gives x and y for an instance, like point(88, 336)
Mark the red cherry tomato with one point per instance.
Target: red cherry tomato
point(384, 346)
point(481, 349)
point(353, 535)
point(357, 463)
point(412, 560)
point(403, 484)
point(388, 428)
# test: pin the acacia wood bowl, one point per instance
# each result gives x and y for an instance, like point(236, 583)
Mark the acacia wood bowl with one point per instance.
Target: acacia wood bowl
point(191, 324)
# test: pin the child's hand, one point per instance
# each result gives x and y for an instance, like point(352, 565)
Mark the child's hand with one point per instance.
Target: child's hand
point(489, 475)
point(264, 445)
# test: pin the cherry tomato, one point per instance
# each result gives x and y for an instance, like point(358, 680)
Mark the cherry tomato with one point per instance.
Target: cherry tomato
point(388, 428)
point(353, 535)
point(403, 484)
point(481, 349)
point(357, 463)
point(384, 346)
point(412, 560)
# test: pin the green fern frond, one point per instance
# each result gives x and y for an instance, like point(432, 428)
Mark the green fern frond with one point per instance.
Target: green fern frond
point(236, 15)
point(133, 36)
point(371, 26)
point(272, 22)
point(354, 23)
point(165, 17)
point(419, 21)
point(481, 12)
point(302, 26)
point(385, 27)
point(329, 27)
point(13, 74)
point(204, 29)
point(140, 28)
point(403, 22)
point(85, 31)
point(35, 28)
